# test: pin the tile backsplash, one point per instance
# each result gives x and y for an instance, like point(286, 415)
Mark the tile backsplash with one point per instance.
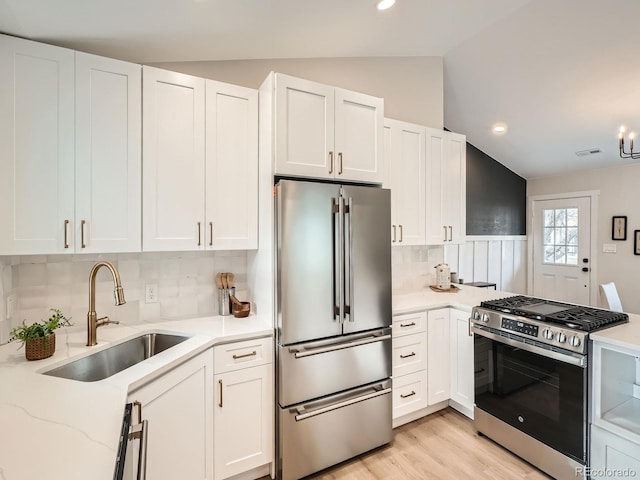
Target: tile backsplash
point(185, 285)
point(413, 267)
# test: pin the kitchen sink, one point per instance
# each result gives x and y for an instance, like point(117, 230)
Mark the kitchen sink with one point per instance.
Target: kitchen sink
point(117, 358)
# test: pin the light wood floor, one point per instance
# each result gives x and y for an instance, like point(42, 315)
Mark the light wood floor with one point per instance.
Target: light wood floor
point(443, 445)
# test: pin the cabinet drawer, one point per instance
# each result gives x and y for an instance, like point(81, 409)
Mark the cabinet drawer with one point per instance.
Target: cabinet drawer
point(409, 393)
point(409, 354)
point(409, 323)
point(247, 353)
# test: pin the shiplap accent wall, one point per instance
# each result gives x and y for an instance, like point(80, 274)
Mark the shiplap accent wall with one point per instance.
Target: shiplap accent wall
point(498, 259)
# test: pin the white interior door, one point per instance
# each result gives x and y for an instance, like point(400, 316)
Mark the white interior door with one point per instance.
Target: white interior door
point(561, 249)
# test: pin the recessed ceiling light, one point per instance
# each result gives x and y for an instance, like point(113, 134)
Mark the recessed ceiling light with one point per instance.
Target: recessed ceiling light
point(384, 4)
point(499, 129)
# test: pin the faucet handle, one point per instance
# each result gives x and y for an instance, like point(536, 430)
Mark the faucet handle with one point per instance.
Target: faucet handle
point(105, 321)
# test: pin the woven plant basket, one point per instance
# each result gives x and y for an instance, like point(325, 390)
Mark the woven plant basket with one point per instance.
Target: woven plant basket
point(39, 348)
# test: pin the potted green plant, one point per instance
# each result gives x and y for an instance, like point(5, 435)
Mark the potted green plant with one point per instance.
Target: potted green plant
point(39, 338)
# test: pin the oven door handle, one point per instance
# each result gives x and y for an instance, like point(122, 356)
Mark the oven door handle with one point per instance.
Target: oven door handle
point(569, 357)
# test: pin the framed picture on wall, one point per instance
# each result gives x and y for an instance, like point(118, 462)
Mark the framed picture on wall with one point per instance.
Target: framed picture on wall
point(619, 228)
point(636, 242)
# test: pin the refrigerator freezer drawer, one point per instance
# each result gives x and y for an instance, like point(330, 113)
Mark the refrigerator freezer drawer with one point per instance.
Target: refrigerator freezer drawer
point(313, 370)
point(316, 435)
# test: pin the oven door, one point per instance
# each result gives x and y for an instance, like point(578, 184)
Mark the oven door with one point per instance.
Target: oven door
point(538, 391)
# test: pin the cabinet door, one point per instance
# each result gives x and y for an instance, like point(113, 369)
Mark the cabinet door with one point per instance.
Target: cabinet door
point(172, 161)
point(243, 420)
point(359, 144)
point(178, 407)
point(461, 343)
point(436, 230)
point(304, 128)
point(611, 453)
point(108, 155)
point(438, 355)
point(231, 166)
point(407, 173)
point(454, 181)
point(37, 154)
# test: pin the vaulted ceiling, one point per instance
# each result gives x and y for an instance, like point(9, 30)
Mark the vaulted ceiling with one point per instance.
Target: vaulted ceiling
point(560, 73)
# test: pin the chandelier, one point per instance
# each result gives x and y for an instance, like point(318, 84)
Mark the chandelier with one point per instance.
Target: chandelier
point(623, 152)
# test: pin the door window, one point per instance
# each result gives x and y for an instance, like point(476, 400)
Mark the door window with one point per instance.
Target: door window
point(560, 229)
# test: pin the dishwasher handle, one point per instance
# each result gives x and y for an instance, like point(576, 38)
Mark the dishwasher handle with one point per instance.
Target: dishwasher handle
point(301, 353)
point(301, 415)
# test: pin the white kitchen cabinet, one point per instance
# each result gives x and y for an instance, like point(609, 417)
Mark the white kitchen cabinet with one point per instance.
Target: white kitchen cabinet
point(37, 154)
point(613, 456)
point(231, 166)
point(409, 365)
point(179, 409)
point(405, 162)
point(461, 358)
point(446, 187)
point(244, 407)
point(197, 198)
point(173, 161)
point(327, 132)
point(108, 183)
point(615, 409)
point(70, 172)
point(438, 381)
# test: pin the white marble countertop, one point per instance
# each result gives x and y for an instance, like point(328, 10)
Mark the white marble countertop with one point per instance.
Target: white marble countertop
point(465, 299)
point(54, 428)
point(626, 336)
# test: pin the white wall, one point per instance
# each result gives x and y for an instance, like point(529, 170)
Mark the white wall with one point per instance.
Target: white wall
point(499, 260)
point(619, 188)
point(411, 86)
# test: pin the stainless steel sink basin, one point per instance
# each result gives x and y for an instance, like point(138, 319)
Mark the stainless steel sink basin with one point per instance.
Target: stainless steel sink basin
point(112, 360)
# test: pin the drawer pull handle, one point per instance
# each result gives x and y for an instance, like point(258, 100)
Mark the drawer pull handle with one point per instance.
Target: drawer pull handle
point(245, 355)
point(408, 394)
point(412, 354)
point(479, 371)
point(412, 324)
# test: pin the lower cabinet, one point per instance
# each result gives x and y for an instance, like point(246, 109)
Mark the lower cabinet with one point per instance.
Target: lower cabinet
point(461, 362)
point(613, 456)
point(177, 408)
point(438, 355)
point(433, 361)
point(244, 407)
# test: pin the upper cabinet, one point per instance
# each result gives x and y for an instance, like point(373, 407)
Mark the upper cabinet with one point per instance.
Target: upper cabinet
point(231, 166)
point(446, 187)
point(327, 132)
point(200, 163)
point(68, 189)
point(108, 155)
point(405, 160)
point(173, 161)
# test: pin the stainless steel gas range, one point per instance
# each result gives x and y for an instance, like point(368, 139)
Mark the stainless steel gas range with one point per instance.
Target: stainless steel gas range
point(532, 378)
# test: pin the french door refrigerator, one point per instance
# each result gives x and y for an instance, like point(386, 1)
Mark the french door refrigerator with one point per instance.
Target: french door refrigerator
point(333, 323)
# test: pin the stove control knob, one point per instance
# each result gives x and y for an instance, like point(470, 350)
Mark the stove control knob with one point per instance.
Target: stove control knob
point(476, 315)
point(548, 334)
point(561, 337)
point(485, 318)
point(575, 341)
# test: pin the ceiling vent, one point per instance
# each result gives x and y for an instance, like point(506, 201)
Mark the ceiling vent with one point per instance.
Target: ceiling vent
point(591, 151)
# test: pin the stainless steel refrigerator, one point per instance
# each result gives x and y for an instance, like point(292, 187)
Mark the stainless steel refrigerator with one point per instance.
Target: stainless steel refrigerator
point(333, 323)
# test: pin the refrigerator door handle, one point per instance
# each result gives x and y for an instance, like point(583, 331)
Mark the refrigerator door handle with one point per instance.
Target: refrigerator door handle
point(338, 209)
point(301, 353)
point(302, 415)
point(335, 210)
point(348, 211)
